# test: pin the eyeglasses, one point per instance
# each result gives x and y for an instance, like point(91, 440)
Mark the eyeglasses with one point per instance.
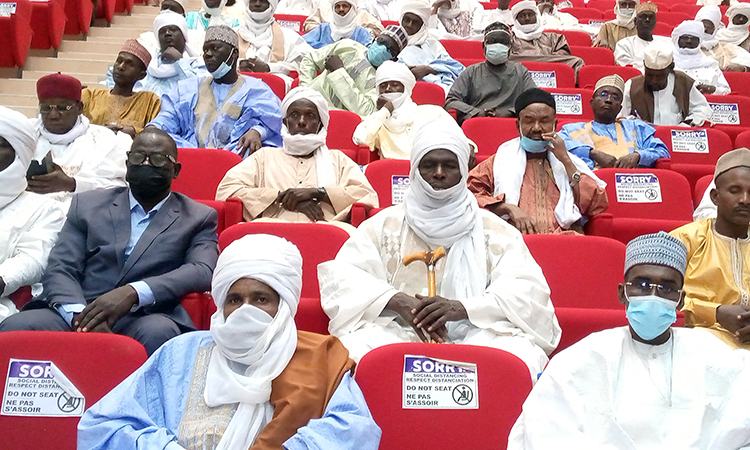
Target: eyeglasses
point(639, 288)
point(45, 109)
point(612, 96)
point(155, 159)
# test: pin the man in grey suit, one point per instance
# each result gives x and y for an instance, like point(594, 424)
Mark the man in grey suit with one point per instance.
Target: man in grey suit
point(126, 256)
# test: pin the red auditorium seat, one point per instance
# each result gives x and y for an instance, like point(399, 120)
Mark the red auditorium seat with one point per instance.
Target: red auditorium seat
point(387, 177)
point(583, 284)
point(731, 113)
point(573, 103)
point(295, 22)
point(466, 52)
point(700, 188)
point(663, 29)
point(553, 75)
point(317, 242)
point(739, 82)
point(275, 82)
point(21, 296)
point(672, 18)
point(594, 55)
point(693, 151)
point(685, 8)
point(583, 13)
point(577, 38)
point(78, 14)
point(742, 140)
point(105, 9)
point(601, 5)
point(48, 23)
point(591, 73)
point(202, 171)
point(124, 6)
point(489, 132)
point(230, 211)
point(636, 210)
point(385, 23)
point(94, 362)
point(15, 33)
point(503, 383)
point(425, 93)
point(340, 134)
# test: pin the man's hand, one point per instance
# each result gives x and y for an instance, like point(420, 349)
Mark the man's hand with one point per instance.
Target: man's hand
point(557, 145)
point(406, 306)
point(253, 65)
point(516, 217)
point(55, 181)
point(249, 143)
point(603, 159)
point(384, 103)
point(107, 309)
point(291, 197)
point(171, 54)
point(440, 4)
point(128, 130)
point(311, 209)
point(489, 112)
point(433, 313)
point(736, 320)
point(628, 161)
point(706, 89)
point(422, 71)
point(333, 63)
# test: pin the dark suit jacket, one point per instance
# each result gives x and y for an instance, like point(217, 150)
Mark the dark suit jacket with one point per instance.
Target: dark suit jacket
point(175, 255)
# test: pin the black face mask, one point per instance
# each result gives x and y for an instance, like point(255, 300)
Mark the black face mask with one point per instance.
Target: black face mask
point(148, 182)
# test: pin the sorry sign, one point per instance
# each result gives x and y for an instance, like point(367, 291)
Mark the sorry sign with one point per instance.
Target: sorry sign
point(431, 383)
point(39, 388)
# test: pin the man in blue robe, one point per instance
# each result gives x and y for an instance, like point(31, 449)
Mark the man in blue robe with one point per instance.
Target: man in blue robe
point(343, 25)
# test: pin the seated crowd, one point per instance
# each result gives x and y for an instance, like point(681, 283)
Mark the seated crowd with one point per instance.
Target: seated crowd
point(90, 222)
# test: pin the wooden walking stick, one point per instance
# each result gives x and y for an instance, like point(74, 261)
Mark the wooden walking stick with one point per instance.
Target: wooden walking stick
point(430, 259)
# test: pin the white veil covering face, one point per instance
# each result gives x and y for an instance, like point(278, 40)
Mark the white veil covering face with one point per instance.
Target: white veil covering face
point(343, 26)
point(419, 8)
point(252, 348)
point(712, 14)
point(530, 31)
point(256, 28)
point(624, 20)
point(735, 34)
point(165, 18)
point(690, 58)
point(404, 108)
point(21, 135)
point(448, 217)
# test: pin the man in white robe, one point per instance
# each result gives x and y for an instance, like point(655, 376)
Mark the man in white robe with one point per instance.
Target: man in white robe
point(83, 156)
point(646, 386)
point(629, 51)
point(303, 181)
point(29, 222)
point(552, 19)
point(729, 56)
point(324, 14)
point(738, 30)
point(500, 14)
point(689, 59)
point(489, 289)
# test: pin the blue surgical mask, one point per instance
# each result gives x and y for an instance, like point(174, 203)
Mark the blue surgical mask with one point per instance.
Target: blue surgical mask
point(533, 146)
point(222, 70)
point(650, 315)
point(496, 53)
point(378, 53)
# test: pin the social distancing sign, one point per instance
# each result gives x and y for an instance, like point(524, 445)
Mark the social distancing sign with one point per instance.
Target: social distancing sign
point(544, 79)
point(690, 141)
point(39, 389)
point(431, 383)
point(399, 186)
point(637, 188)
point(725, 113)
point(570, 104)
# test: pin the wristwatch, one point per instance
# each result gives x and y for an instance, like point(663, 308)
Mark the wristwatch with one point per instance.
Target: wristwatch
point(575, 178)
point(321, 194)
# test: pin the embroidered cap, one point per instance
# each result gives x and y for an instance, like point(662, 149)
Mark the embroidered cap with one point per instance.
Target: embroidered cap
point(646, 7)
point(222, 33)
point(135, 48)
point(614, 81)
point(730, 160)
point(660, 248)
point(658, 55)
point(398, 34)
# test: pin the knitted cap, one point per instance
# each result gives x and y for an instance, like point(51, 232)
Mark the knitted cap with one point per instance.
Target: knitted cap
point(646, 6)
point(398, 34)
point(614, 81)
point(531, 96)
point(659, 248)
point(658, 55)
point(222, 33)
point(135, 48)
point(730, 160)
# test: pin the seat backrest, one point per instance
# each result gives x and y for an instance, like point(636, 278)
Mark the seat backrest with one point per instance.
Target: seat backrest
point(202, 171)
point(694, 145)
point(502, 385)
point(93, 362)
point(700, 188)
point(294, 22)
point(647, 194)
point(460, 49)
point(673, 18)
point(591, 73)
point(489, 132)
point(601, 5)
point(742, 140)
point(573, 103)
point(730, 109)
point(583, 13)
point(594, 55)
point(341, 129)
point(578, 38)
point(663, 28)
point(551, 75)
point(426, 93)
point(275, 82)
point(230, 212)
point(317, 242)
point(739, 82)
point(390, 179)
point(582, 271)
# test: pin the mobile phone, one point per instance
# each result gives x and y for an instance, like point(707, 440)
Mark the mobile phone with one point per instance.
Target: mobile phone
point(40, 168)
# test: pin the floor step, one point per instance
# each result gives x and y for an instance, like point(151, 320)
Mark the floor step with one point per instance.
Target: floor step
point(114, 32)
point(107, 48)
point(51, 65)
point(13, 99)
point(87, 79)
point(86, 56)
point(28, 111)
point(18, 87)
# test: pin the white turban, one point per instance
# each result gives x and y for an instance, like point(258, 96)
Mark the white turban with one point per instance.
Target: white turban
point(448, 217)
point(394, 71)
point(166, 18)
point(739, 8)
point(624, 20)
point(21, 135)
point(735, 34)
point(712, 14)
point(423, 10)
point(404, 109)
point(343, 26)
point(527, 32)
point(306, 93)
point(690, 58)
point(252, 348)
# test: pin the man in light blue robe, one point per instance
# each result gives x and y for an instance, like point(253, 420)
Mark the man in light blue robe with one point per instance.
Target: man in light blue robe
point(609, 142)
point(343, 25)
point(225, 110)
point(253, 380)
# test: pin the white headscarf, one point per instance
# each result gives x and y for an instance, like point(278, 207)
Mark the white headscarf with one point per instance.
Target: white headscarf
point(304, 144)
point(448, 217)
point(343, 26)
point(52, 139)
point(404, 108)
point(422, 9)
point(21, 135)
point(452, 12)
point(165, 18)
point(531, 31)
point(690, 58)
point(252, 348)
point(712, 13)
point(215, 13)
point(735, 34)
point(627, 21)
point(256, 28)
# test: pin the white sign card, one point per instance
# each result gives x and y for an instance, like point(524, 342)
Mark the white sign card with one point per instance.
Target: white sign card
point(39, 389)
point(725, 113)
point(7, 9)
point(544, 79)
point(570, 104)
point(399, 186)
point(637, 188)
point(431, 383)
point(690, 141)
point(291, 24)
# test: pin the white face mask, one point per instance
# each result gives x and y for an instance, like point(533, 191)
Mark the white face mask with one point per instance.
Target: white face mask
point(397, 98)
point(301, 144)
point(528, 28)
point(263, 16)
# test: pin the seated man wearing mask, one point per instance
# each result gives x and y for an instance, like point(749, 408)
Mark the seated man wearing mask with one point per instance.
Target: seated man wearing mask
point(490, 291)
point(609, 142)
point(737, 31)
point(425, 55)
point(253, 381)
point(126, 256)
point(662, 95)
point(629, 50)
point(730, 57)
point(347, 70)
point(120, 108)
point(644, 386)
point(689, 59)
point(622, 26)
point(343, 25)
point(490, 88)
point(390, 130)
point(29, 222)
point(267, 47)
point(533, 181)
point(224, 110)
point(529, 41)
point(84, 156)
point(304, 181)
